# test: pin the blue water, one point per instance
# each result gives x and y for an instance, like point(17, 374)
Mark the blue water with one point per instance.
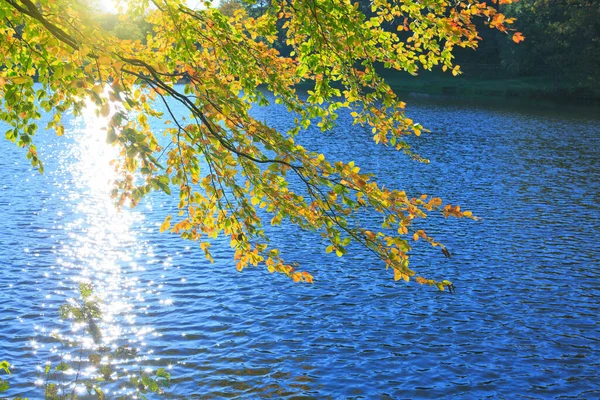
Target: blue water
point(523, 323)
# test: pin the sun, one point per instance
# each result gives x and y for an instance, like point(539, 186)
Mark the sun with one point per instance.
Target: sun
point(119, 6)
point(111, 6)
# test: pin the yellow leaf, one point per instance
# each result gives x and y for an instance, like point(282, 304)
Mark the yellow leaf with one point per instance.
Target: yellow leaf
point(19, 80)
point(103, 60)
point(397, 275)
point(166, 224)
point(105, 110)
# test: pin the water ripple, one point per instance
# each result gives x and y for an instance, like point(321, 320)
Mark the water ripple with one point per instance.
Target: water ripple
point(523, 323)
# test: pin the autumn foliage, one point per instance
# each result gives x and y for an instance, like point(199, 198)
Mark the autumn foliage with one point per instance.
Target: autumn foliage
point(227, 168)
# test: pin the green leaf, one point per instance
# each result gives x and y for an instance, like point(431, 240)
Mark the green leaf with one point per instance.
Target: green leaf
point(111, 136)
point(162, 373)
point(5, 366)
point(63, 366)
point(106, 371)
point(86, 290)
point(20, 80)
point(150, 383)
point(99, 393)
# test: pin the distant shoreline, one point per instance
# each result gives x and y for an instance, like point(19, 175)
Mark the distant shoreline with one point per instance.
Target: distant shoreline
point(531, 88)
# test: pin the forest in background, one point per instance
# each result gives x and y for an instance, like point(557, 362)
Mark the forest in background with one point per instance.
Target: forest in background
point(558, 59)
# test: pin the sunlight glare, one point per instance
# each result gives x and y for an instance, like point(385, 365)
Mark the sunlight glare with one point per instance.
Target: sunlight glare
point(110, 6)
point(102, 249)
point(120, 6)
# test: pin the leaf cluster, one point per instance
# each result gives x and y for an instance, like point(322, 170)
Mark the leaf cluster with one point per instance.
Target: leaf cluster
point(231, 171)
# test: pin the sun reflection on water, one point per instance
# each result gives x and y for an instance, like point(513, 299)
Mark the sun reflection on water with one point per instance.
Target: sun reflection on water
point(102, 249)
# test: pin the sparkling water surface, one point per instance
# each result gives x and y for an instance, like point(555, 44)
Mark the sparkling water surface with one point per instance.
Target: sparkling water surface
point(524, 322)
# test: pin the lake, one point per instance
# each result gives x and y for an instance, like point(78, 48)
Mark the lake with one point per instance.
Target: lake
point(523, 322)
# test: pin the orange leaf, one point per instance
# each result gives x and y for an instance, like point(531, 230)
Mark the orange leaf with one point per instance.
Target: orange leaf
point(307, 277)
point(518, 37)
point(498, 19)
